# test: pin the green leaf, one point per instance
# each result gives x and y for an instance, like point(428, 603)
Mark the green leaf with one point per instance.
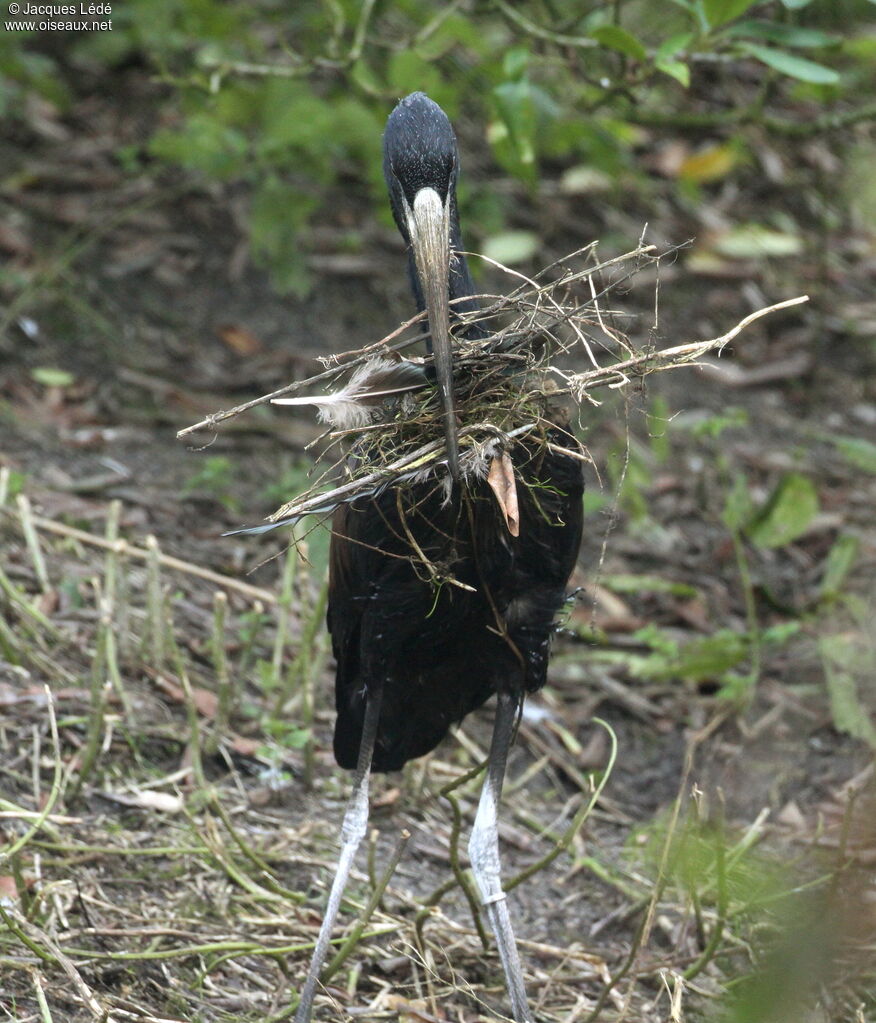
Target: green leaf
point(278, 220)
point(49, 376)
point(675, 69)
point(791, 65)
point(711, 656)
point(719, 12)
point(783, 35)
point(839, 562)
point(674, 44)
point(857, 452)
point(738, 506)
point(205, 145)
point(781, 633)
point(408, 71)
point(15, 483)
point(454, 33)
point(787, 514)
point(516, 104)
point(756, 241)
point(701, 659)
point(613, 37)
point(840, 657)
point(510, 247)
point(515, 62)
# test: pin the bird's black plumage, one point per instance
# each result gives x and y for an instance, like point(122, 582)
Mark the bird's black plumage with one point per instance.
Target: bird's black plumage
point(437, 650)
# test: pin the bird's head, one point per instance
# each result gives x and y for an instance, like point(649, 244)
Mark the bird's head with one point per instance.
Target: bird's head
point(420, 162)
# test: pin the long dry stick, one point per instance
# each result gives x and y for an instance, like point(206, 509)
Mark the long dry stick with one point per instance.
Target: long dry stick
point(167, 560)
point(667, 358)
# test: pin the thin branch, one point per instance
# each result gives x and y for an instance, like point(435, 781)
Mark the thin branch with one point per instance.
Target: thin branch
point(667, 358)
point(696, 122)
point(168, 561)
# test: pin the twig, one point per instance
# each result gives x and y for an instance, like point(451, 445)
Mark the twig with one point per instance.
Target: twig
point(666, 358)
point(167, 560)
point(574, 827)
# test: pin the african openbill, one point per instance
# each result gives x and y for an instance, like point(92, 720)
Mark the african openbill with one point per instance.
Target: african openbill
point(433, 605)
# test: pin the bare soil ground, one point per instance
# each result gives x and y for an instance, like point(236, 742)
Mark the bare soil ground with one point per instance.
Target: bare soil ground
point(169, 829)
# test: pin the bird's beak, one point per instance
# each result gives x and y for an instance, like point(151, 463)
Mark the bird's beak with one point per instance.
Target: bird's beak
point(429, 228)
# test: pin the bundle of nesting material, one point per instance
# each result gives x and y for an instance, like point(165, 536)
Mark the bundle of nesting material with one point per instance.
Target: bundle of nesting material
point(511, 377)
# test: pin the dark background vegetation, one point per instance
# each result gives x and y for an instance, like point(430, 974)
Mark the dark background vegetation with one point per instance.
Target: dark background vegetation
point(192, 213)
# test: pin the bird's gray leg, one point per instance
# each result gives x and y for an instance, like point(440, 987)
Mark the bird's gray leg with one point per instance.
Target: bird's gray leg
point(483, 850)
point(352, 831)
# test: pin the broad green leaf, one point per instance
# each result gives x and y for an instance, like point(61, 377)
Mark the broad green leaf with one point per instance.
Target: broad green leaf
point(276, 239)
point(857, 452)
point(736, 688)
point(613, 37)
point(783, 35)
point(511, 247)
point(455, 32)
point(203, 144)
point(657, 639)
point(787, 514)
point(792, 65)
point(50, 376)
point(705, 658)
point(719, 12)
point(516, 104)
point(756, 241)
point(738, 506)
point(779, 634)
point(407, 71)
point(674, 44)
point(515, 62)
point(365, 77)
point(840, 657)
point(839, 562)
point(676, 69)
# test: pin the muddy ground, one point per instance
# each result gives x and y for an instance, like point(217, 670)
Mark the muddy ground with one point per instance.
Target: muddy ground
point(182, 867)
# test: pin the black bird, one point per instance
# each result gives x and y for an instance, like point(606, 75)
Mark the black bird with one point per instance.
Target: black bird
point(433, 605)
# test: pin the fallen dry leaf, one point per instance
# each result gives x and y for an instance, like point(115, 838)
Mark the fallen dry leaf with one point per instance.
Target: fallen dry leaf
point(166, 802)
point(504, 486)
point(206, 703)
point(411, 1011)
point(8, 889)
point(240, 340)
point(388, 798)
